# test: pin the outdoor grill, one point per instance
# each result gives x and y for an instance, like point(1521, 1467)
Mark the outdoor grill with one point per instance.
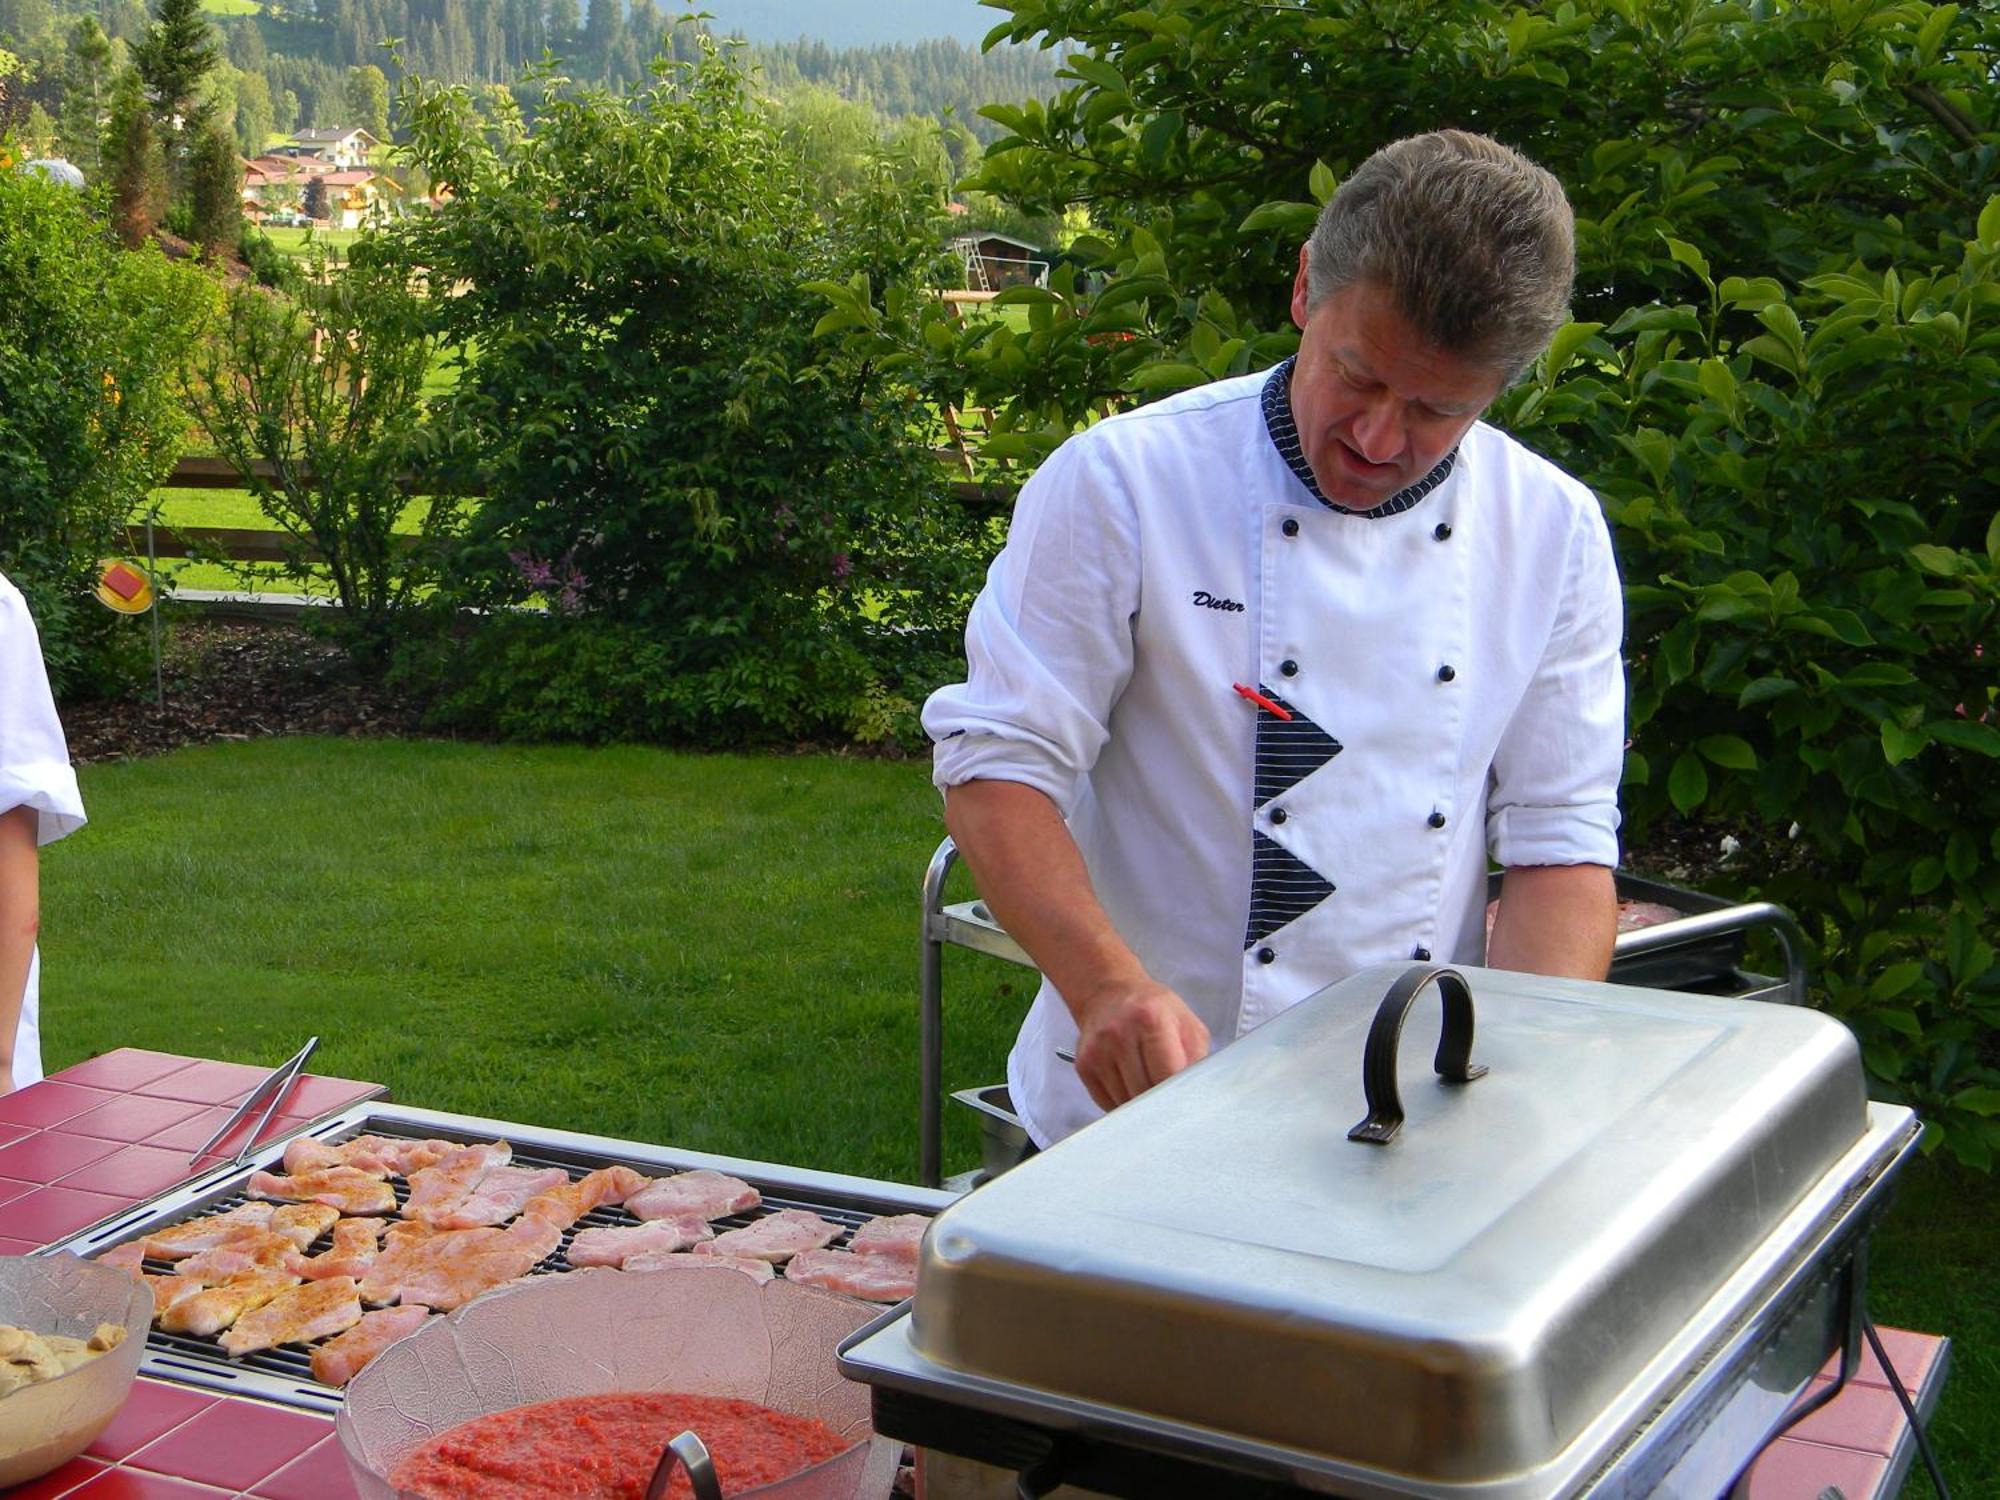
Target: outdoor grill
point(284, 1374)
point(1610, 1266)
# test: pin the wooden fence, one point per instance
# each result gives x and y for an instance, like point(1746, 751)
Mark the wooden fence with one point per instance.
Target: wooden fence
point(242, 544)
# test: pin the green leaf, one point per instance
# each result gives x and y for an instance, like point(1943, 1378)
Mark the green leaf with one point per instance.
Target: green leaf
point(1687, 785)
point(1159, 136)
point(1993, 526)
point(1900, 744)
point(1165, 377)
point(1322, 183)
point(1099, 73)
point(1893, 981)
point(1718, 384)
point(1782, 321)
point(1878, 674)
point(1942, 561)
point(1637, 771)
point(1563, 347)
point(1292, 220)
point(1901, 1021)
point(1963, 734)
point(1931, 33)
point(1979, 1100)
point(1764, 689)
point(1728, 751)
point(1688, 256)
point(1841, 624)
point(1032, 296)
point(1132, 289)
point(1926, 875)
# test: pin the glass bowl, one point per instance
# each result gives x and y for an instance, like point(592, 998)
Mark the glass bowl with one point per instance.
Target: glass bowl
point(711, 1331)
point(44, 1426)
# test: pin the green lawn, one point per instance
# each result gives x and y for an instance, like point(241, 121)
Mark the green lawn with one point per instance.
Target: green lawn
point(297, 242)
point(717, 952)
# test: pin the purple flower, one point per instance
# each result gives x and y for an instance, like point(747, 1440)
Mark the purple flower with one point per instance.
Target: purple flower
point(842, 565)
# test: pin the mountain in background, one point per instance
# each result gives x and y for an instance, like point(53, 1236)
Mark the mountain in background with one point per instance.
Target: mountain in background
point(854, 23)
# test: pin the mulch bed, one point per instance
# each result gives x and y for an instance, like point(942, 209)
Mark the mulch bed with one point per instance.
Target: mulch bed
point(239, 680)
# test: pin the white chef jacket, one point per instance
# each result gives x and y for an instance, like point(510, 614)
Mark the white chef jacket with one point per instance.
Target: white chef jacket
point(34, 772)
point(1450, 663)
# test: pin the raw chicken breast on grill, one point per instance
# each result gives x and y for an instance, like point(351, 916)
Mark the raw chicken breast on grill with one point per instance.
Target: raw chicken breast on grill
point(214, 1308)
point(352, 1254)
point(340, 1359)
point(168, 1290)
point(873, 1278)
point(444, 1268)
point(713, 1195)
point(654, 1260)
point(501, 1193)
point(312, 1311)
point(899, 1237)
point(125, 1257)
point(776, 1237)
point(302, 1223)
point(377, 1155)
point(178, 1240)
point(571, 1201)
point(611, 1247)
point(439, 1188)
point(247, 1250)
point(345, 1188)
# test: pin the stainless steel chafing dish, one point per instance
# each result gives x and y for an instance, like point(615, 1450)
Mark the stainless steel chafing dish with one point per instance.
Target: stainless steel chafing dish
point(1605, 1251)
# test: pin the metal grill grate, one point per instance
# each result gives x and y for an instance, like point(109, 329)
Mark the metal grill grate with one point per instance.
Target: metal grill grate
point(288, 1367)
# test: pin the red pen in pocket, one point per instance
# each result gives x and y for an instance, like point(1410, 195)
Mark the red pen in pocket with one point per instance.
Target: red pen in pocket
point(1277, 710)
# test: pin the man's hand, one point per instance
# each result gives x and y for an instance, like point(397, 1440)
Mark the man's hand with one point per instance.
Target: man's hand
point(1133, 1037)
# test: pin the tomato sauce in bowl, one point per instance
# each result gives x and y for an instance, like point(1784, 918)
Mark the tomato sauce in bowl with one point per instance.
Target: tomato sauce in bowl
point(606, 1448)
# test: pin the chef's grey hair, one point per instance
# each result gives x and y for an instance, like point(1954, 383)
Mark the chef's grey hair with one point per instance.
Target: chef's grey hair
point(1475, 244)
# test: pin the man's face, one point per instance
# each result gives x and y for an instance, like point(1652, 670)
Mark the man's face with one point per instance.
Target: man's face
point(1377, 407)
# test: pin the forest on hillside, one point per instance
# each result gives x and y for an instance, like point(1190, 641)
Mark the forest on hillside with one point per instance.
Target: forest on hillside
point(291, 66)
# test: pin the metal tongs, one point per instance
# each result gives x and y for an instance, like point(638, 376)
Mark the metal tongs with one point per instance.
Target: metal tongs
point(691, 1453)
point(276, 1085)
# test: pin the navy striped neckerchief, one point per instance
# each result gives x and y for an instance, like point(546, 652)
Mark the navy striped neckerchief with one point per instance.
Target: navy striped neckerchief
point(1284, 433)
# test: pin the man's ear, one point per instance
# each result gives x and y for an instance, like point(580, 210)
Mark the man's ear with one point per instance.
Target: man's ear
point(1300, 300)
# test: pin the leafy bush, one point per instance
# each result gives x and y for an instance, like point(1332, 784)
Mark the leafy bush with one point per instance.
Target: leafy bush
point(717, 508)
point(326, 388)
point(1798, 458)
point(90, 420)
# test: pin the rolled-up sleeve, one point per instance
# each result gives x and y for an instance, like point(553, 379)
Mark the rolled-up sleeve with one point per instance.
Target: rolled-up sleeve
point(1554, 794)
point(1049, 642)
point(34, 761)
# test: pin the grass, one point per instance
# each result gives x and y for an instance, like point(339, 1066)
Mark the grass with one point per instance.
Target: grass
point(298, 242)
point(232, 7)
point(716, 952)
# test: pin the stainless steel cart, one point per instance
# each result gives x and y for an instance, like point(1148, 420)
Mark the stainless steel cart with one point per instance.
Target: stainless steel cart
point(1703, 952)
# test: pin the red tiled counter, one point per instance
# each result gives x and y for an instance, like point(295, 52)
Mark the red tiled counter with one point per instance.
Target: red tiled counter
point(94, 1139)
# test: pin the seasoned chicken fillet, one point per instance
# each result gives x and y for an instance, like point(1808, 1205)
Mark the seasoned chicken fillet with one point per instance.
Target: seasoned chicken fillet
point(312, 1311)
point(343, 1188)
point(872, 1278)
point(713, 1195)
point(339, 1360)
point(776, 1237)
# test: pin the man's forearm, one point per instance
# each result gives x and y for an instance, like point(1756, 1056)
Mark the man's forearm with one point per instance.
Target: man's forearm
point(1033, 878)
point(1555, 919)
point(20, 907)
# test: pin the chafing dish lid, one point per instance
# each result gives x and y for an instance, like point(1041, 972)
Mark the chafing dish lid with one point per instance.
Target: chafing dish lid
point(1456, 1304)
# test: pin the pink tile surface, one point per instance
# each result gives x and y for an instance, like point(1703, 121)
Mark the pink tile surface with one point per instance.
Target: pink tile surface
point(234, 1444)
point(196, 1129)
point(314, 1096)
point(131, 1118)
point(43, 1104)
point(209, 1083)
point(18, 1247)
point(12, 1133)
point(127, 1484)
point(61, 1482)
point(49, 1213)
point(128, 1069)
point(136, 1173)
point(154, 1409)
point(51, 1155)
point(1866, 1418)
point(321, 1475)
point(1803, 1471)
point(10, 1190)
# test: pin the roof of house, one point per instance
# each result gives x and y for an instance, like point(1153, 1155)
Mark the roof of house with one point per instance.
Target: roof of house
point(982, 235)
point(329, 136)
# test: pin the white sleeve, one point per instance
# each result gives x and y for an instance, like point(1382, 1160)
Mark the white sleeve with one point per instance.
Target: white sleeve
point(34, 762)
point(1049, 642)
point(1554, 793)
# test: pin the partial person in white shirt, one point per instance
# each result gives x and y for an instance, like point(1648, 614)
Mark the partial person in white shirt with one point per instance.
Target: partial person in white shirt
point(1269, 670)
point(39, 803)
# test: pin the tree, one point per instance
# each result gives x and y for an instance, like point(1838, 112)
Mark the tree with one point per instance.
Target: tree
point(246, 45)
point(175, 56)
point(91, 417)
point(254, 122)
point(314, 199)
point(368, 100)
point(133, 158)
point(86, 96)
point(215, 188)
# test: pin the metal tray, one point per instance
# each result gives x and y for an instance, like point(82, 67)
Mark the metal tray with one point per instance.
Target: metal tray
point(1457, 1306)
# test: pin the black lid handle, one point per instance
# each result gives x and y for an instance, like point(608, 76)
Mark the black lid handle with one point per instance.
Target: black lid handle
point(1378, 1062)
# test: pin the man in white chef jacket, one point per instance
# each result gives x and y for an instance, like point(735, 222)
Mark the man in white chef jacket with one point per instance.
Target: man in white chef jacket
point(1267, 670)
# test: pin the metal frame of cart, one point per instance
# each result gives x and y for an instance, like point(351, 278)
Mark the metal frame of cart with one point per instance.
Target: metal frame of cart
point(1703, 951)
